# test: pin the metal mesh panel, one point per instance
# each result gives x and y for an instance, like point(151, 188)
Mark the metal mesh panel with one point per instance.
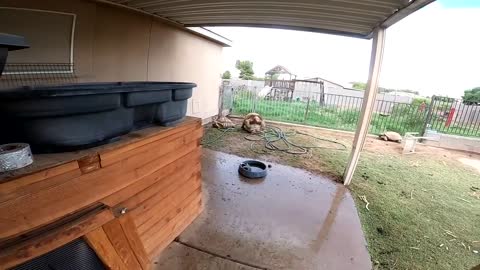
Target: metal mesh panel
point(32, 74)
point(76, 255)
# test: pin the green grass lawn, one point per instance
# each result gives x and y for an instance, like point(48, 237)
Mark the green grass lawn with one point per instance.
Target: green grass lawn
point(422, 213)
point(403, 118)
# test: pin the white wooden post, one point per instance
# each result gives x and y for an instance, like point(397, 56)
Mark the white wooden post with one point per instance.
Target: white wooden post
point(368, 103)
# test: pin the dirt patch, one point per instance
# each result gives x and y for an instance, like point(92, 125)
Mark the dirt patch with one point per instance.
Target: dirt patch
point(474, 163)
point(377, 146)
point(235, 143)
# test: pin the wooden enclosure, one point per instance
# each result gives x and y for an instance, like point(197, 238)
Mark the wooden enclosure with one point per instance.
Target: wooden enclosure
point(128, 199)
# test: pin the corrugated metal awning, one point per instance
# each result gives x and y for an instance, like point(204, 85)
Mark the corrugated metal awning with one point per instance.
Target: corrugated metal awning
point(356, 18)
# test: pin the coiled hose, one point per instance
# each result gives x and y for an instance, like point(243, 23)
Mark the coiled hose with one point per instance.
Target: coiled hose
point(275, 139)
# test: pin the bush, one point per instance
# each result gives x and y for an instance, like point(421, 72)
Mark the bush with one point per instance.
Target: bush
point(418, 101)
point(472, 97)
point(350, 117)
point(226, 75)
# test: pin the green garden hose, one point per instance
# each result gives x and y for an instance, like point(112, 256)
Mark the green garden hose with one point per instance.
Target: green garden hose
point(275, 139)
point(207, 142)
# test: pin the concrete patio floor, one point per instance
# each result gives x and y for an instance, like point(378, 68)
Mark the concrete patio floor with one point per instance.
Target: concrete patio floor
point(292, 219)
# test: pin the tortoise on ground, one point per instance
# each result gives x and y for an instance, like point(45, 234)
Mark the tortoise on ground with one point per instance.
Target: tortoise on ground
point(391, 136)
point(253, 123)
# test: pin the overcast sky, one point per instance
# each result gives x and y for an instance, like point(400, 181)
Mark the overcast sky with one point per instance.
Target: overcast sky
point(435, 51)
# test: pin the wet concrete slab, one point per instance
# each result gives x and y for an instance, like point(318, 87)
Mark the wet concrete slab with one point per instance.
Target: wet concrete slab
point(180, 257)
point(292, 219)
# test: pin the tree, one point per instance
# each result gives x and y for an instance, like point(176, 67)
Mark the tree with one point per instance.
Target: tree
point(226, 75)
point(359, 85)
point(472, 96)
point(389, 90)
point(418, 101)
point(362, 86)
point(246, 69)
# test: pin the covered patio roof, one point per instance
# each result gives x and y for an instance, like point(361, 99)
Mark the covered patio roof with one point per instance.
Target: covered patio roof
point(355, 18)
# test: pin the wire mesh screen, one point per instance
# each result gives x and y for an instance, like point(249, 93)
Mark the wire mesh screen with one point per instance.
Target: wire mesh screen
point(32, 74)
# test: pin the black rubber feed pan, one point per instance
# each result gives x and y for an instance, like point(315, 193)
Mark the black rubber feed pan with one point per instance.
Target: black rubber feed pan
point(252, 169)
point(77, 116)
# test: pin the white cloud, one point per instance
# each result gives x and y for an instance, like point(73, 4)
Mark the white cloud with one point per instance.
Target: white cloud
point(435, 50)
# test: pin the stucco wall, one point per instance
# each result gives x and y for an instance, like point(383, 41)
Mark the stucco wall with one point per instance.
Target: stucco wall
point(468, 144)
point(115, 44)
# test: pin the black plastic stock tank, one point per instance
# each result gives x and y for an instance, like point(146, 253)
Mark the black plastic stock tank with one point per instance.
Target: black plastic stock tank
point(76, 116)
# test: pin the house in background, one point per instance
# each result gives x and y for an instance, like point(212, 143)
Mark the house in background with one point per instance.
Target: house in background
point(329, 86)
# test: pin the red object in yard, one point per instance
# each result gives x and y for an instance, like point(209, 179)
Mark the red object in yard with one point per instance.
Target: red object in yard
point(450, 117)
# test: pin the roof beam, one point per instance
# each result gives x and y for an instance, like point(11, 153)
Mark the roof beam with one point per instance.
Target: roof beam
point(354, 18)
point(402, 13)
point(197, 30)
